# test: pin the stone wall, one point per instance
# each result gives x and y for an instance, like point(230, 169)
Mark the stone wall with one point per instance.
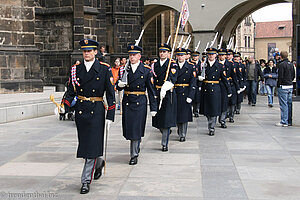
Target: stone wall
point(19, 59)
point(41, 37)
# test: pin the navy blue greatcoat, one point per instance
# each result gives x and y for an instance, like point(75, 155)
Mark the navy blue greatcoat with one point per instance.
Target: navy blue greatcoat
point(134, 106)
point(166, 117)
point(211, 92)
point(90, 116)
point(186, 75)
point(242, 78)
point(197, 96)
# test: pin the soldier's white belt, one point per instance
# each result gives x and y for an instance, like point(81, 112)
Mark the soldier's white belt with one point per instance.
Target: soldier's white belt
point(216, 82)
point(135, 93)
point(90, 98)
point(182, 85)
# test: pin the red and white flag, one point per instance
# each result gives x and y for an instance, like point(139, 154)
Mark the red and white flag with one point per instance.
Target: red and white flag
point(185, 13)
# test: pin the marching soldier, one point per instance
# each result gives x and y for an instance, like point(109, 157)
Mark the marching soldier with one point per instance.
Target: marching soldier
point(234, 86)
point(164, 81)
point(89, 80)
point(210, 104)
point(185, 91)
point(134, 106)
point(231, 78)
point(241, 74)
point(197, 97)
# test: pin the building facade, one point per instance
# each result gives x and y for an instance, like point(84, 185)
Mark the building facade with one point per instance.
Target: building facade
point(245, 37)
point(272, 35)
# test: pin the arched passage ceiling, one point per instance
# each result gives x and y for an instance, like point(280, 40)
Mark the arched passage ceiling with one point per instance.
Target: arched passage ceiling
point(223, 18)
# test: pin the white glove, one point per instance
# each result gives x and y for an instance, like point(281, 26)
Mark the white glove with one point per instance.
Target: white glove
point(201, 78)
point(153, 113)
point(61, 110)
point(239, 91)
point(189, 100)
point(167, 86)
point(162, 94)
point(121, 84)
point(229, 95)
point(108, 123)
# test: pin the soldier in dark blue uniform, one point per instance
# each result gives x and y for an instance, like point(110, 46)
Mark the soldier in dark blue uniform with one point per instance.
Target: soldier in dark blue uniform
point(185, 87)
point(134, 104)
point(89, 80)
point(242, 77)
point(164, 81)
point(210, 104)
point(197, 97)
point(233, 81)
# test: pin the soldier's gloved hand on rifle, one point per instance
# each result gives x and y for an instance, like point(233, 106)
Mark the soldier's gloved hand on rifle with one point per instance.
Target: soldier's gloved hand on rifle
point(165, 87)
point(189, 100)
point(201, 78)
point(121, 84)
point(153, 113)
point(229, 95)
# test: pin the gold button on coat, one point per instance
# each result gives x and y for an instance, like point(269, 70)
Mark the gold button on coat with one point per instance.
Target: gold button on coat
point(142, 76)
point(92, 112)
point(81, 90)
point(93, 90)
point(97, 78)
point(80, 112)
point(77, 79)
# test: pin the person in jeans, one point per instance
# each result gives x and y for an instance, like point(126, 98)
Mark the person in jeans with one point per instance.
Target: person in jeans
point(263, 89)
point(253, 71)
point(270, 75)
point(286, 75)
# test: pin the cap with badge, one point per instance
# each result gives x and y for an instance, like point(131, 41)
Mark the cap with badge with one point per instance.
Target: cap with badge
point(229, 52)
point(180, 51)
point(203, 54)
point(189, 51)
point(222, 51)
point(164, 47)
point(211, 50)
point(195, 53)
point(236, 54)
point(88, 44)
point(133, 49)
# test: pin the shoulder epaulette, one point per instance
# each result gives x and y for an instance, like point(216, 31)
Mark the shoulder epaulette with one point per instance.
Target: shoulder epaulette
point(103, 63)
point(173, 61)
point(191, 63)
point(230, 61)
point(147, 66)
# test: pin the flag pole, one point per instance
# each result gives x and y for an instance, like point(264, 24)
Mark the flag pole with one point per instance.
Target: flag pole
point(175, 38)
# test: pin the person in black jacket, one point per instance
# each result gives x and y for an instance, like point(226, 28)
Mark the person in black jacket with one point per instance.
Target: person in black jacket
point(253, 73)
point(286, 75)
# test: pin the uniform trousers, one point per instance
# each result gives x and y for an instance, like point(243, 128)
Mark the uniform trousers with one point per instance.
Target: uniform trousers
point(230, 111)
point(211, 123)
point(165, 136)
point(134, 148)
point(196, 107)
point(89, 167)
point(238, 107)
point(222, 118)
point(182, 129)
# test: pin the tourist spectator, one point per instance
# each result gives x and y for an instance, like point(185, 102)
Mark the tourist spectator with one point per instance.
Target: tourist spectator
point(253, 72)
point(115, 72)
point(286, 75)
point(262, 86)
point(270, 75)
